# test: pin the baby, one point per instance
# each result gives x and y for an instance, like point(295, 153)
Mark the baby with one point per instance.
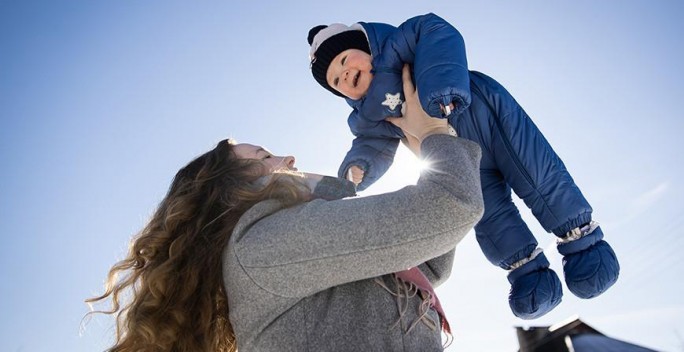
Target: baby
point(362, 63)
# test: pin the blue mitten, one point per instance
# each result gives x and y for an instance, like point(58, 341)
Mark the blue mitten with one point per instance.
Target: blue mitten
point(535, 289)
point(589, 263)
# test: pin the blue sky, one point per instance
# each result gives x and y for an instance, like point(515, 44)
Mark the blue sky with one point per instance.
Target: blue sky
point(102, 102)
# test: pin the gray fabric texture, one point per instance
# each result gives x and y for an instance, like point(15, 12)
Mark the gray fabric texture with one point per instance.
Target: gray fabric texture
point(304, 278)
point(333, 188)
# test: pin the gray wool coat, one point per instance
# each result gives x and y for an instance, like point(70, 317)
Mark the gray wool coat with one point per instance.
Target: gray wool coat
point(317, 276)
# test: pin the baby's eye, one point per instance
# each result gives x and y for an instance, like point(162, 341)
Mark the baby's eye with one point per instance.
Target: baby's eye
point(344, 59)
point(266, 157)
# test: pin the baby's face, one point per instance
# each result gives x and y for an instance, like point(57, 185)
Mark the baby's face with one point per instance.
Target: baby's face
point(350, 73)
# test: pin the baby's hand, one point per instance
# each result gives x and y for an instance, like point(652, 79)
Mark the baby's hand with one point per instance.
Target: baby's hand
point(355, 174)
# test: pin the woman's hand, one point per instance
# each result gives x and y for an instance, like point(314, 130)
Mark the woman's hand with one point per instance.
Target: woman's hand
point(416, 122)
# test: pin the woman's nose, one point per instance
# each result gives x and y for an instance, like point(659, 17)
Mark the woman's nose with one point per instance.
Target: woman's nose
point(290, 161)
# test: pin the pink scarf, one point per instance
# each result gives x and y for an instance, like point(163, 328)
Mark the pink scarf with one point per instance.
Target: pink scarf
point(416, 277)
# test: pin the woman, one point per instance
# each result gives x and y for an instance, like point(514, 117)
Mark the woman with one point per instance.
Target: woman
point(240, 254)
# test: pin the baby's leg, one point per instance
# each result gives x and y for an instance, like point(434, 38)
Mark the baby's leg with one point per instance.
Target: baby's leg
point(536, 173)
point(538, 176)
point(507, 242)
point(501, 233)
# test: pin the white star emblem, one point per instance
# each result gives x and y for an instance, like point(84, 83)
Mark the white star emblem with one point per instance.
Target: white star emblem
point(392, 100)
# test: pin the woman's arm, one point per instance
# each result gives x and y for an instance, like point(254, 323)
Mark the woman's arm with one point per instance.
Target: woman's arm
point(438, 270)
point(298, 251)
point(301, 250)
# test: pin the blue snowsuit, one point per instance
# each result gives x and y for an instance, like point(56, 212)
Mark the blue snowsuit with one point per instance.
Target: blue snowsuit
point(515, 155)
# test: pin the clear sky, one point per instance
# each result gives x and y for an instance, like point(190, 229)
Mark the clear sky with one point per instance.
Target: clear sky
point(101, 102)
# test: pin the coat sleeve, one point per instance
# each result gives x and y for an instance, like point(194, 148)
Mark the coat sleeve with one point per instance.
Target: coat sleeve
point(436, 51)
point(373, 154)
point(438, 270)
point(298, 251)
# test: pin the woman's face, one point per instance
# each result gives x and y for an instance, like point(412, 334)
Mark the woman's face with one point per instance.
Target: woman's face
point(350, 73)
point(274, 163)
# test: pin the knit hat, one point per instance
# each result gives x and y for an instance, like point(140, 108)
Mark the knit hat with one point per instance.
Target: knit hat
point(327, 42)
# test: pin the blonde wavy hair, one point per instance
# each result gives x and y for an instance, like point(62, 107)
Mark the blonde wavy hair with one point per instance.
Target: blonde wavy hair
point(168, 293)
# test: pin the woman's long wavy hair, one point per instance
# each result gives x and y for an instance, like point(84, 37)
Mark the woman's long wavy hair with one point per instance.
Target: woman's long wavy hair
point(168, 293)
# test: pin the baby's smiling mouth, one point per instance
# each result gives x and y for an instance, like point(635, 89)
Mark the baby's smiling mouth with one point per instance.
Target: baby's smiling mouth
point(356, 79)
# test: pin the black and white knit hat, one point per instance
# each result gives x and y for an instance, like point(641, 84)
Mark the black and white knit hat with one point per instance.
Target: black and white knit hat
point(327, 42)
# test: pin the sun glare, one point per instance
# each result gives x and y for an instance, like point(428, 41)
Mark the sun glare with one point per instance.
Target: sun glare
point(404, 171)
point(422, 164)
